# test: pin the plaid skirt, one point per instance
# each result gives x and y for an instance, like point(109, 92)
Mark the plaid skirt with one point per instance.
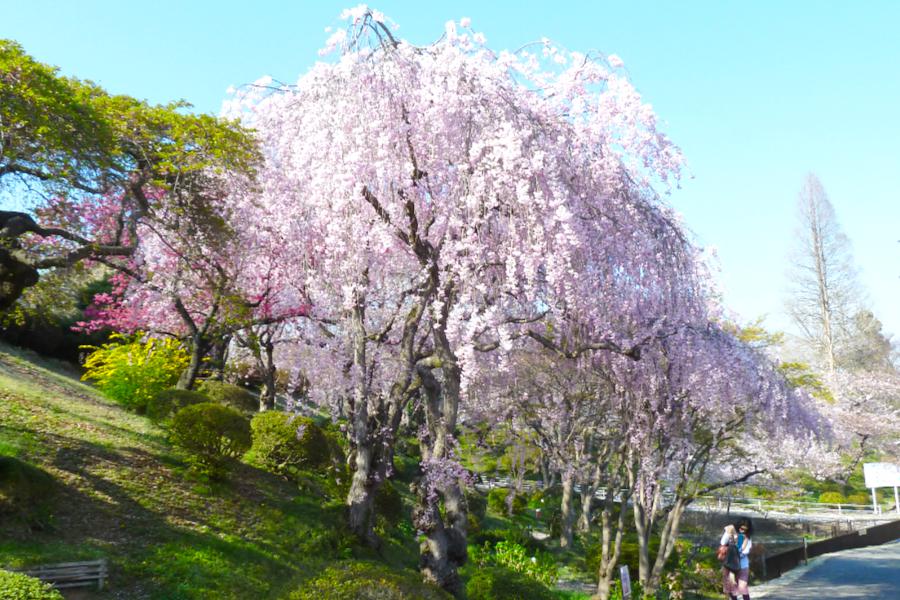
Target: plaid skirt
point(736, 584)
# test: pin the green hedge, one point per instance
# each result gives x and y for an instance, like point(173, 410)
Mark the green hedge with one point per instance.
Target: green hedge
point(231, 395)
point(212, 434)
point(168, 402)
point(285, 444)
point(498, 583)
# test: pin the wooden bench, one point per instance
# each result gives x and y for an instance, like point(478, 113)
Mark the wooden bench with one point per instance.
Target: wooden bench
point(72, 574)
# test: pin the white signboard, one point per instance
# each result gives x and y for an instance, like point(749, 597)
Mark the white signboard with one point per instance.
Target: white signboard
point(881, 475)
point(626, 581)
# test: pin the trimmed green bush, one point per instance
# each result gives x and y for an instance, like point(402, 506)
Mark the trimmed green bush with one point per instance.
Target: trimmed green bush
point(865, 499)
point(361, 580)
point(498, 583)
point(212, 434)
point(284, 443)
point(231, 395)
point(168, 402)
point(832, 498)
point(497, 502)
point(132, 372)
point(18, 586)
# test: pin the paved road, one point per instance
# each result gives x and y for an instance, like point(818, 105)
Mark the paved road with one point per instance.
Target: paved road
point(872, 572)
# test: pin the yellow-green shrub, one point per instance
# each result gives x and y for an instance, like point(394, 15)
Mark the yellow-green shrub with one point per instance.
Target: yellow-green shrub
point(832, 498)
point(859, 499)
point(132, 372)
point(18, 586)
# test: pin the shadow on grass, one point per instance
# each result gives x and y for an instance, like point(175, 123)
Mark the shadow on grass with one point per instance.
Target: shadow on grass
point(246, 539)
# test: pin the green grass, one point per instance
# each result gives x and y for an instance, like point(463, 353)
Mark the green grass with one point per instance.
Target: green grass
point(126, 494)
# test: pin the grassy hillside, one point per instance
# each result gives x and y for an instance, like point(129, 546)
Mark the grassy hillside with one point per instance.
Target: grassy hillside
point(118, 489)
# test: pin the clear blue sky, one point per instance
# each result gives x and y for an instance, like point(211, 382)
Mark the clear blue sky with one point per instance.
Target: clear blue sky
point(756, 94)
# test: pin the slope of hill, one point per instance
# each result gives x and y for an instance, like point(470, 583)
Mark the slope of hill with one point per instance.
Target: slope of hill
point(118, 489)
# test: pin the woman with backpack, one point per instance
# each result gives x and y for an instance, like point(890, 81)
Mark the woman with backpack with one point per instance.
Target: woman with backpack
point(734, 551)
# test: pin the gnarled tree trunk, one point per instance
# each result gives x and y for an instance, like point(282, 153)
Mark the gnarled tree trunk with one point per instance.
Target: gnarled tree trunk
point(444, 549)
point(267, 394)
point(361, 498)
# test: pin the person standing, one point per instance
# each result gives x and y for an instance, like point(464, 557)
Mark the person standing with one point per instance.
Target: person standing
point(736, 582)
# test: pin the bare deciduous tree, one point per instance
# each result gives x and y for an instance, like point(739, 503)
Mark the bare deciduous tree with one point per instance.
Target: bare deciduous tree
point(824, 291)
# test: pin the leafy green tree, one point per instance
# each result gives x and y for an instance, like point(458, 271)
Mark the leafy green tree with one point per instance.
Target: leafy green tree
point(93, 165)
point(867, 347)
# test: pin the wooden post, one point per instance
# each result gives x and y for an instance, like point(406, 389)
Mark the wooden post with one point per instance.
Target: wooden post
point(103, 574)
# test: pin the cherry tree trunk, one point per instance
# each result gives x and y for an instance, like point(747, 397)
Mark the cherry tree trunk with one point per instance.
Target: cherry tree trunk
point(667, 536)
point(642, 527)
point(218, 356)
point(444, 549)
point(567, 510)
point(361, 498)
point(587, 509)
point(548, 475)
point(267, 394)
point(189, 376)
point(611, 543)
point(645, 517)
